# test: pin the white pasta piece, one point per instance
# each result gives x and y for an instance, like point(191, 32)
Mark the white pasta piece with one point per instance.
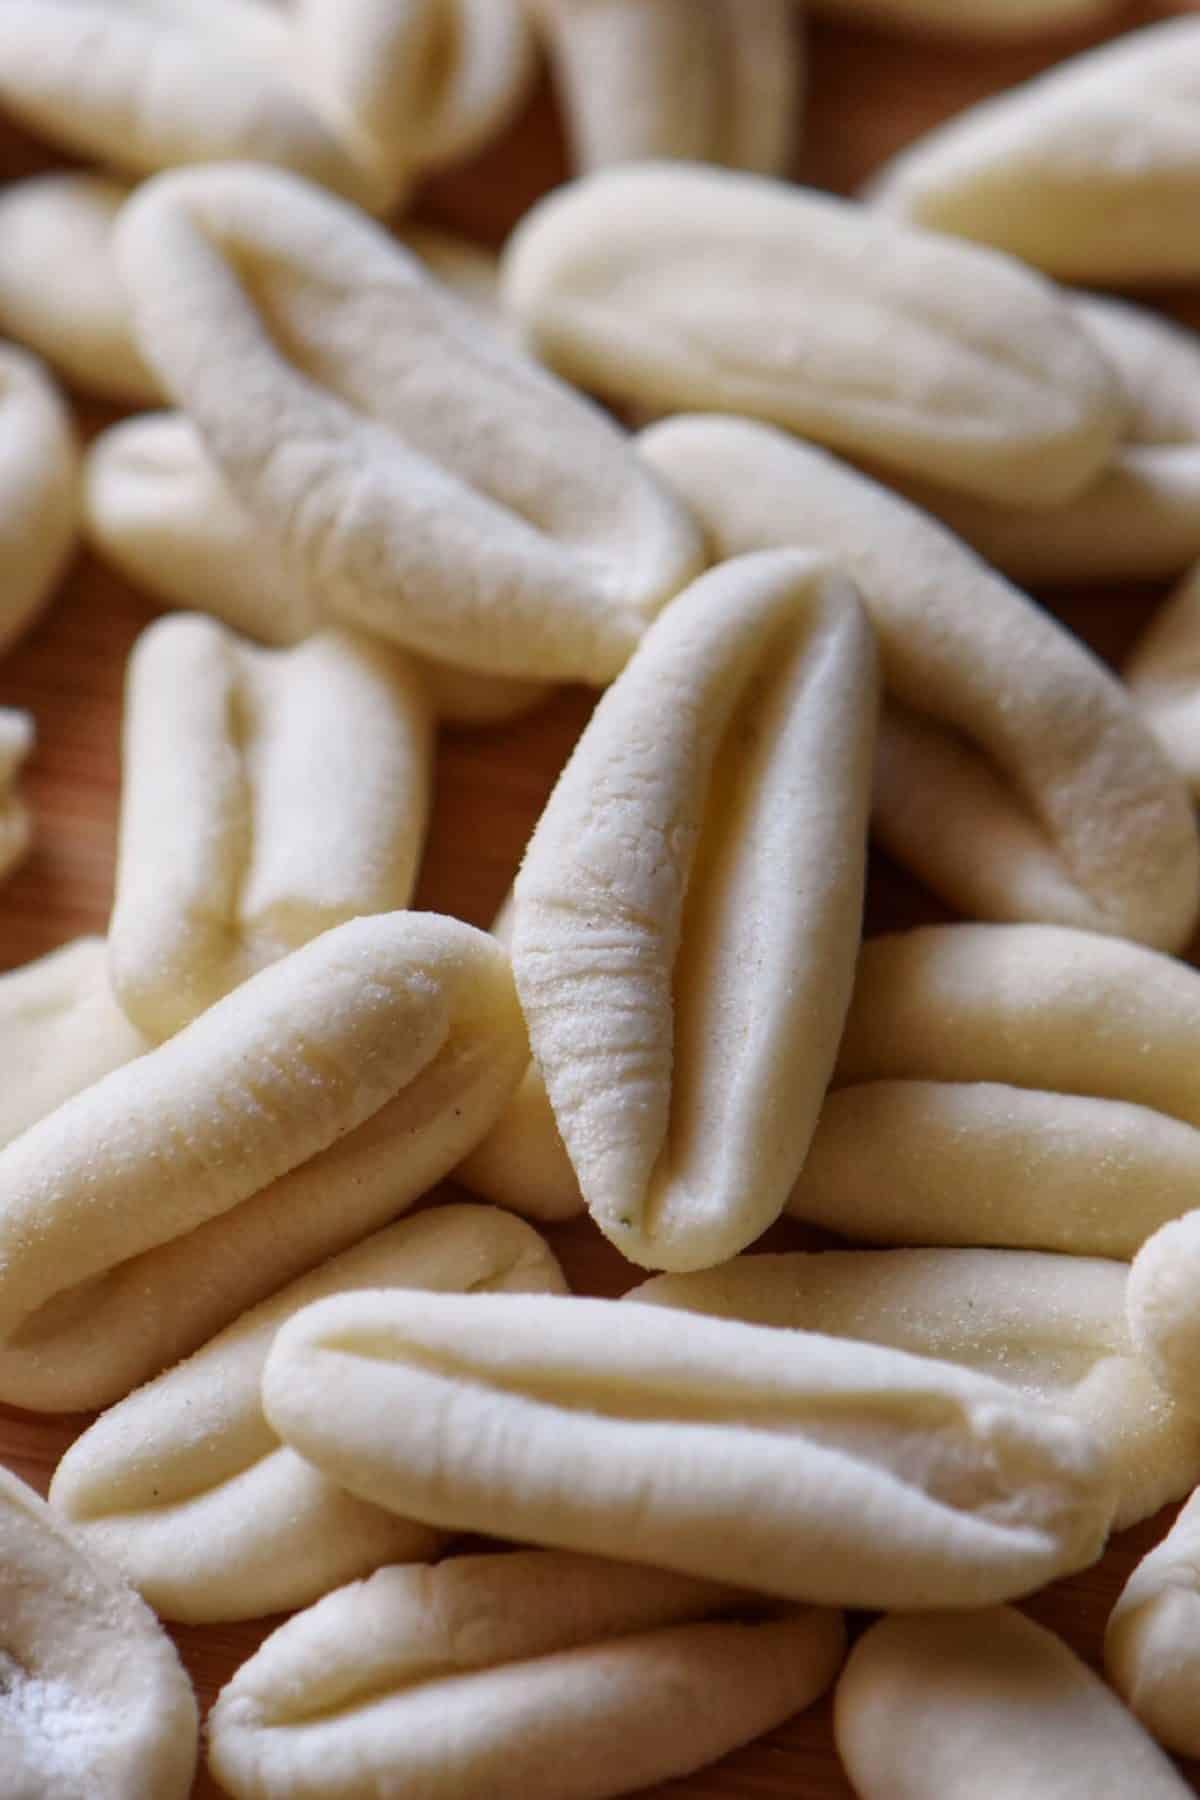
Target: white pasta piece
point(1152, 1644)
point(522, 1163)
point(1090, 172)
point(987, 1706)
point(156, 506)
point(60, 1030)
point(1015, 776)
point(186, 1489)
point(1026, 1086)
point(416, 83)
point(1164, 1307)
point(1053, 1327)
point(988, 21)
point(39, 490)
point(536, 1675)
point(688, 912)
point(688, 288)
point(309, 1107)
point(94, 1704)
point(266, 796)
point(1140, 519)
point(420, 479)
point(803, 1466)
point(1163, 674)
point(707, 80)
point(60, 293)
point(16, 742)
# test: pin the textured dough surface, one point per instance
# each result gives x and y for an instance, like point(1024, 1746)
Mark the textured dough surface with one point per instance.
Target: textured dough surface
point(987, 1706)
point(794, 1464)
point(1152, 1644)
point(689, 288)
point(94, 1704)
point(186, 1489)
point(421, 479)
point(39, 491)
point(1163, 675)
point(687, 914)
point(1015, 777)
point(310, 1106)
point(266, 796)
point(534, 1674)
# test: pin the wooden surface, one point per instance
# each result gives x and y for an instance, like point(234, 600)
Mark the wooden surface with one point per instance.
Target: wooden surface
point(870, 94)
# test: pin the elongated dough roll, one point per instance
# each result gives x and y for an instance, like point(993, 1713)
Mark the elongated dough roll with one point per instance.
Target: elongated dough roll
point(1163, 674)
point(1015, 777)
point(797, 1465)
point(16, 829)
point(61, 1030)
point(1091, 171)
point(311, 1105)
point(1053, 1327)
point(1152, 1644)
point(93, 1702)
point(688, 288)
point(1163, 1301)
point(687, 915)
point(266, 796)
point(1140, 518)
point(987, 1706)
point(420, 479)
point(514, 1677)
point(185, 1488)
point(157, 507)
point(39, 491)
point(1010, 1085)
point(708, 80)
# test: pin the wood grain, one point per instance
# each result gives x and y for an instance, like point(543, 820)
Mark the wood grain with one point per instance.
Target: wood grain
point(870, 94)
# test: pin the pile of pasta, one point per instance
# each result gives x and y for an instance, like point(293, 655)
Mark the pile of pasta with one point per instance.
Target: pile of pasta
point(522, 1296)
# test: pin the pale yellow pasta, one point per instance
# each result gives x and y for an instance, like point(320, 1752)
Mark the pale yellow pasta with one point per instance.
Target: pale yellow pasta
point(306, 1109)
point(39, 491)
point(710, 822)
point(1053, 1327)
point(798, 1465)
point(1152, 1644)
point(418, 478)
point(16, 829)
point(687, 288)
point(266, 796)
point(1015, 776)
point(531, 1676)
point(987, 1706)
point(1091, 171)
point(185, 1488)
point(1163, 674)
point(94, 1704)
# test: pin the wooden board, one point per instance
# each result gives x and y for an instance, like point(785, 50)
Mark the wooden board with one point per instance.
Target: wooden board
point(870, 94)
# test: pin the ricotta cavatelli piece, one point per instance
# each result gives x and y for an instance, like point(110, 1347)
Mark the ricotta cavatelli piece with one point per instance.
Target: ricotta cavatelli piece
point(986, 21)
point(522, 1163)
point(685, 288)
point(533, 1675)
point(797, 1465)
point(94, 1703)
point(419, 478)
point(1140, 518)
point(60, 1030)
point(1053, 1327)
point(1152, 1644)
point(715, 81)
point(185, 1488)
point(1091, 171)
point(39, 490)
point(987, 1706)
point(1015, 776)
point(304, 1110)
point(688, 912)
point(1027, 1086)
point(1163, 675)
point(60, 293)
point(157, 507)
point(1164, 1307)
point(266, 796)
point(16, 828)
